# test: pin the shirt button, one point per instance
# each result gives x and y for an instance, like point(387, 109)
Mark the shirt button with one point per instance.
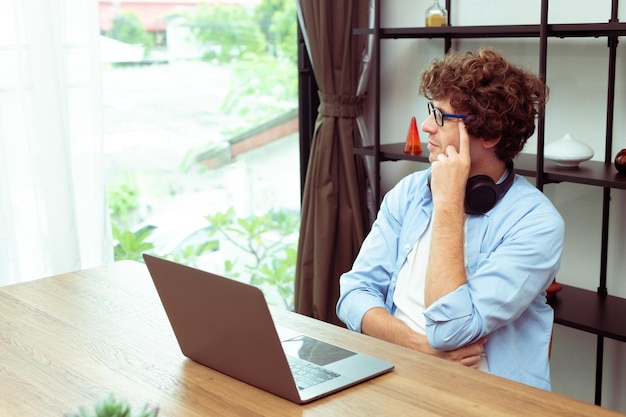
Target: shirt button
point(406, 246)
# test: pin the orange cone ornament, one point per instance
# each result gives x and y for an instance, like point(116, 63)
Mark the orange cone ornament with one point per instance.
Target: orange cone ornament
point(413, 145)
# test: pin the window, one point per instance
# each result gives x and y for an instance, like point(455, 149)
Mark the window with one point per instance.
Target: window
point(201, 135)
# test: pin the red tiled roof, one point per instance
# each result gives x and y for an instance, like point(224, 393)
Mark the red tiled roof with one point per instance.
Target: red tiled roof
point(154, 13)
point(277, 128)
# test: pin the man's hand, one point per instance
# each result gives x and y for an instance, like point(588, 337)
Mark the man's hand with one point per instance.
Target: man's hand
point(468, 355)
point(450, 172)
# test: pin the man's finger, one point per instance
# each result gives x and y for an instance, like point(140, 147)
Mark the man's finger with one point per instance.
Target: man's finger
point(464, 139)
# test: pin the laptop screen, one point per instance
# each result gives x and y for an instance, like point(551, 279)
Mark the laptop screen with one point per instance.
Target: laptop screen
point(316, 351)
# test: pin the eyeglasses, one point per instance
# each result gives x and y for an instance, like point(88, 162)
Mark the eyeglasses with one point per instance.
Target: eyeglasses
point(440, 116)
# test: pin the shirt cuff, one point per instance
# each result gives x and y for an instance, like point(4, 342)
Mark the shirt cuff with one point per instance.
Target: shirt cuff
point(447, 317)
point(360, 303)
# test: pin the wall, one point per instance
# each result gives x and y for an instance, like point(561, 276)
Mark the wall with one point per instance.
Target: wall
point(577, 76)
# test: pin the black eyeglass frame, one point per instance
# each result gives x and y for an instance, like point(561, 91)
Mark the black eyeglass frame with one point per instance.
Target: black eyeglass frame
point(440, 116)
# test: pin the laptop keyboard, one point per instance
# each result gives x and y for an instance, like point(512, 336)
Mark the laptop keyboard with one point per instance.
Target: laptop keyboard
point(307, 374)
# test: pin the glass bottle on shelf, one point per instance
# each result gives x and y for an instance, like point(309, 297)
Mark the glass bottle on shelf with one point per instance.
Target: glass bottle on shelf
point(436, 15)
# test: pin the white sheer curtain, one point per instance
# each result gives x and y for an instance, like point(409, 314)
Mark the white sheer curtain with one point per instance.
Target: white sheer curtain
point(53, 213)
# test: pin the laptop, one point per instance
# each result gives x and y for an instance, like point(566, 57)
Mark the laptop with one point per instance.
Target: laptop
point(226, 325)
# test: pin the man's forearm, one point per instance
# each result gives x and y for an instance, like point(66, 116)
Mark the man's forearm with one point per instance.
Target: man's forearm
point(379, 323)
point(446, 263)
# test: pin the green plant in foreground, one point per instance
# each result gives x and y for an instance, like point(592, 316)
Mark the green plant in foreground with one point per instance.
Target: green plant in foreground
point(112, 407)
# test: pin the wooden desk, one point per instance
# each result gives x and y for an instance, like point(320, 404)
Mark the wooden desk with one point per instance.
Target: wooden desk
point(69, 340)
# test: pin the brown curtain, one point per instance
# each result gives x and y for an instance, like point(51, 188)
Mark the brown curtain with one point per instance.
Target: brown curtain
point(334, 210)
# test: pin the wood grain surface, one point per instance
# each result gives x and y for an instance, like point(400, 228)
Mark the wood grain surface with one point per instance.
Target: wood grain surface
point(71, 339)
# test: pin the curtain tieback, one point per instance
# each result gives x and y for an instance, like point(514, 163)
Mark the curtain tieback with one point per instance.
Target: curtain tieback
point(340, 106)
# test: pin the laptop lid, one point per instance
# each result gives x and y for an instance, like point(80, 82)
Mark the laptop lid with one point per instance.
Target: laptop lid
point(226, 325)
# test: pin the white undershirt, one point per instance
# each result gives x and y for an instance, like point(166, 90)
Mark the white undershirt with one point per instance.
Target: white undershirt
point(409, 294)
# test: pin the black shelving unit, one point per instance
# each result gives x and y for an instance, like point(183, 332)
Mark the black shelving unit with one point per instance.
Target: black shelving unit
point(602, 314)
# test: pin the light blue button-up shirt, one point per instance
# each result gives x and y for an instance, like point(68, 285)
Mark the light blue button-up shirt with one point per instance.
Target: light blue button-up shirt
point(512, 252)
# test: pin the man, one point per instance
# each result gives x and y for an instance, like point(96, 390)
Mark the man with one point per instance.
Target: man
point(459, 258)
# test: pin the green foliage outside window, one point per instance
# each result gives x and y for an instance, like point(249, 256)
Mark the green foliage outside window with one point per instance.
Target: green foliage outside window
point(123, 199)
point(130, 245)
point(267, 245)
point(228, 27)
point(271, 240)
point(276, 19)
point(127, 27)
point(261, 47)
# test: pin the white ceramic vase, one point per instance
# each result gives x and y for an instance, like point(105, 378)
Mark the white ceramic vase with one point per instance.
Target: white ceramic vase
point(568, 152)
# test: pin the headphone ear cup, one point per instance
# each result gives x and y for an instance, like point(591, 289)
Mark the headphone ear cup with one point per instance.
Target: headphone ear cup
point(481, 194)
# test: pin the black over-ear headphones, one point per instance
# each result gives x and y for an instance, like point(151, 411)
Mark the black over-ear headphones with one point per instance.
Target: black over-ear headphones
point(482, 193)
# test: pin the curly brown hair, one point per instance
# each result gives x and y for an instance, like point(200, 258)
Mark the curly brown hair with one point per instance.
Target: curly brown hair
point(504, 99)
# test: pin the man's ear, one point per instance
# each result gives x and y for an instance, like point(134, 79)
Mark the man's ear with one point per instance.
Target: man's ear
point(490, 143)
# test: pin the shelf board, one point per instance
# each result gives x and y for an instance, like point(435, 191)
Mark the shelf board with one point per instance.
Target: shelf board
point(498, 31)
point(594, 173)
point(458, 32)
point(590, 312)
point(587, 29)
point(395, 152)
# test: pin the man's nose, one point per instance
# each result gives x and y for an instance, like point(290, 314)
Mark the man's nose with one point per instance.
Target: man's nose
point(429, 124)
